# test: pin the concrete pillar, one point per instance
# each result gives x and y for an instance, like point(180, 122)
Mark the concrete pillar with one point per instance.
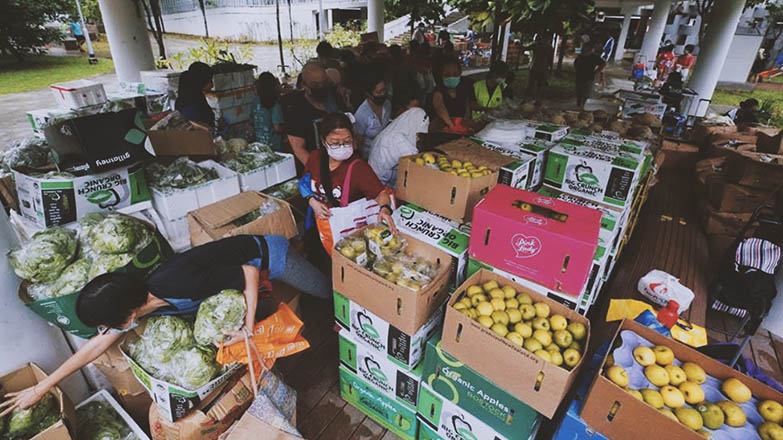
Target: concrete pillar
point(321, 20)
point(713, 51)
point(656, 25)
point(619, 46)
point(329, 18)
point(126, 30)
point(375, 17)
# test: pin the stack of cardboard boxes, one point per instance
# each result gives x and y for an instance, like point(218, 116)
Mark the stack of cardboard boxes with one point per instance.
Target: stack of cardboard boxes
point(232, 99)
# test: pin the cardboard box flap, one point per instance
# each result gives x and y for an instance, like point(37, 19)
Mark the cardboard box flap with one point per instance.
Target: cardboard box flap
point(221, 214)
point(181, 142)
point(466, 150)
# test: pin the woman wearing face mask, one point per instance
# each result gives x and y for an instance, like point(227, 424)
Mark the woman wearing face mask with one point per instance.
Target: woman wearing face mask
point(450, 101)
point(373, 115)
point(338, 177)
point(395, 141)
point(114, 302)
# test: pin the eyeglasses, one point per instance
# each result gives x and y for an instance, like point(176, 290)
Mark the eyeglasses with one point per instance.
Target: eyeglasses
point(339, 144)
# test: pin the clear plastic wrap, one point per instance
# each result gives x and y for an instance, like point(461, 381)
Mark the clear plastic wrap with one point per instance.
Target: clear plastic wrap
point(381, 242)
point(115, 234)
point(224, 312)
point(45, 256)
point(354, 247)
point(97, 420)
point(194, 367)
point(407, 271)
point(182, 173)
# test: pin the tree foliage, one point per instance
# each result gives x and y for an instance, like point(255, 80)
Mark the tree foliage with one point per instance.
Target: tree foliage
point(90, 9)
point(420, 10)
point(22, 25)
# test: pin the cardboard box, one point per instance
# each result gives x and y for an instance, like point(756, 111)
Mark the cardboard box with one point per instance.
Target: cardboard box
point(105, 397)
point(703, 132)
point(42, 118)
point(215, 221)
point(78, 93)
point(618, 415)
point(250, 427)
point(400, 306)
point(539, 149)
point(538, 383)
point(612, 218)
point(606, 143)
point(443, 193)
point(56, 201)
point(592, 174)
point(679, 154)
point(572, 427)
point(404, 349)
point(545, 240)
point(438, 232)
point(29, 375)
point(722, 223)
point(757, 170)
point(138, 406)
point(8, 194)
point(440, 418)
point(452, 381)
point(182, 142)
point(520, 172)
point(730, 197)
point(118, 373)
point(209, 422)
point(550, 132)
point(61, 310)
point(177, 203)
point(649, 98)
point(231, 98)
point(268, 175)
point(378, 371)
point(98, 143)
point(388, 412)
point(234, 80)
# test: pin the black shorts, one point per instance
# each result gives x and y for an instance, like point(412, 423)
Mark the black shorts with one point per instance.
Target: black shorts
point(584, 90)
point(79, 39)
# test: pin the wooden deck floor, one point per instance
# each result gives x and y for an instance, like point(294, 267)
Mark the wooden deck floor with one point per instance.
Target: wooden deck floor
point(668, 237)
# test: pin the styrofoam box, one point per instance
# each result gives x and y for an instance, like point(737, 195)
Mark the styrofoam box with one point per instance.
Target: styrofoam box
point(270, 175)
point(177, 233)
point(160, 80)
point(79, 93)
point(235, 114)
point(105, 396)
point(178, 203)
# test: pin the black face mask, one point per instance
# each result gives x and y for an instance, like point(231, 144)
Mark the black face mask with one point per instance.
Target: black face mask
point(378, 99)
point(319, 93)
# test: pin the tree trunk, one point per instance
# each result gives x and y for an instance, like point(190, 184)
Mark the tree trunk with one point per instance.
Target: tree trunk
point(203, 6)
point(561, 54)
point(279, 37)
point(148, 13)
point(290, 22)
point(156, 12)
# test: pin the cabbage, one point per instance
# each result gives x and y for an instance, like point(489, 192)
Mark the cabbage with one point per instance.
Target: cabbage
point(44, 257)
point(108, 263)
point(182, 173)
point(73, 278)
point(217, 314)
point(166, 334)
point(116, 234)
point(195, 367)
point(27, 423)
point(97, 420)
point(29, 152)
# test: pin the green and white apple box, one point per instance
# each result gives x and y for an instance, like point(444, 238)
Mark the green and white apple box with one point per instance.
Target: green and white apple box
point(439, 232)
point(367, 328)
point(61, 310)
point(539, 150)
point(174, 401)
point(377, 370)
point(59, 200)
point(460, 385)
point(448, 421)
point(388, 412)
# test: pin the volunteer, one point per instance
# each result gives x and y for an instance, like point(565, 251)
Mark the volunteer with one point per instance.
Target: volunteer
point(373, 115)
point(191, 101)
point(488, 93)
point(395, 141)
point(338, 177)
point(450, 101)
point(114, 302)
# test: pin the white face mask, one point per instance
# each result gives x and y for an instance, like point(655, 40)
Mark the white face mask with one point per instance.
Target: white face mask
point(340, 152)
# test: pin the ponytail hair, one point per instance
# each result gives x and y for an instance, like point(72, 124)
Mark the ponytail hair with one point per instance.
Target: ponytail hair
point(329, 123)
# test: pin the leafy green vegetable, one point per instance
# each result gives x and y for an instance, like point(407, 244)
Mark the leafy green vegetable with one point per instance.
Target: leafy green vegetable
point(164, 335)
point(116, 234)
point(196, 366)
point(73, 278)
point(30, 152)
point(182, 173)
point(97, 420)
point(105, 263)
point(242, 163)
point(44, 257)
point(22, 424)
point(217, 314)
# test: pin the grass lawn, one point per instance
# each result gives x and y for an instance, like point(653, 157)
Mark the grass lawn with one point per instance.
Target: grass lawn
point(39, 71)
point(733, 98)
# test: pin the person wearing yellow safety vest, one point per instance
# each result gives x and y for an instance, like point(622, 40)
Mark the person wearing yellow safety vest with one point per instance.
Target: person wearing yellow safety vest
point(489, 93)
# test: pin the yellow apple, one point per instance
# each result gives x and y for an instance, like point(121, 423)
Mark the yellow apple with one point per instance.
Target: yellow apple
point(578, 330)
point(668, 413)
point(692, 392)
point(771, 411)
point(499, 317)
point(635, 393)
point(672, 397)
point(496, 293)
point(618, 375)
point(711, 414)
point(656, 375)
point(770, 431)
point(532, 345)
point(474, 290)
point(528, 311)
point(498, 303)
point(478, 298)
point(644, 356)
point(736, 390)
point(689, 417)
point(543, 354)
point(571, 357)
point(543, 336)
point(694, 373)
point(484, 308)
point(676, 375)
point(542, 309)
point(663, 355)
point(514, 315)
point(556, 357)
point(512, 303)
point(486, 321)
point(652, 398)
point(516, 338)
point(524, 298)
point(509, 292)
point(557, 322)
point(500, 329)
point(540, 323)
point(489, 285)
point(735, 416)
point(523, 329)
point(563, 338)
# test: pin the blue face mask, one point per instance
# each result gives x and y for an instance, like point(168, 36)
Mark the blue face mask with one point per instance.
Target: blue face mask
point(451, 82)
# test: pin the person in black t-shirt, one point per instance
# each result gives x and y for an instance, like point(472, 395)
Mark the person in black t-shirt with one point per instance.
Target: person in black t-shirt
point(450, 100)
point(113, 302)
point(586, 65)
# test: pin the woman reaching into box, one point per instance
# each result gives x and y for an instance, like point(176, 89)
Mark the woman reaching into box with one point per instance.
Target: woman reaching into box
point(335, 176)
point(114, 302)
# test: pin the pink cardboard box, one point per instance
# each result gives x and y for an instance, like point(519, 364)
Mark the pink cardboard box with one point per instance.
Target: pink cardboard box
point(545, 240)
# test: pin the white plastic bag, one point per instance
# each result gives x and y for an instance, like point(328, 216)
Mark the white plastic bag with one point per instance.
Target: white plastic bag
point(660, 288)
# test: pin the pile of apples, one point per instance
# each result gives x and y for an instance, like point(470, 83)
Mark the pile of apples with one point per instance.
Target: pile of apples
point(680, 397)
point(452, 166)
point(513, 315)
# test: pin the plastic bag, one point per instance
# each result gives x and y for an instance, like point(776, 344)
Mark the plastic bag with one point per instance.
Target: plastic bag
point(661, 287)
point(406, 271)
